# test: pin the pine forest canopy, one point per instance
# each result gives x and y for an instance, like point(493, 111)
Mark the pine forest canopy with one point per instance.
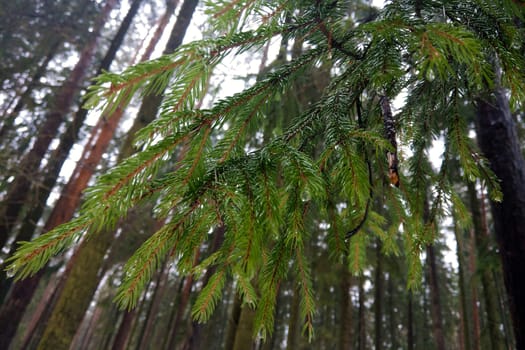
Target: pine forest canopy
point(346, 164)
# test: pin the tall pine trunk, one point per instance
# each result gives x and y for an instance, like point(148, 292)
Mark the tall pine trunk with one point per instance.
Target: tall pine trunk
point(394, 341)
point(151, 315)
point(124, 331)
point(361, 333)
point(345, 336)
point(464, 314)
point(233, 322)
point(489, 291)
point(476, 322)
point(410, 321)
point(183, 304)
point(499, 142)
point(378, 299)
point(435, 302)
point(244, 332)
point(293, 322)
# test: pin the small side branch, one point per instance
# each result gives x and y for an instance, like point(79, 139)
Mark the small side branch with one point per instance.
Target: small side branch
point(356, 229)
point(390, 134)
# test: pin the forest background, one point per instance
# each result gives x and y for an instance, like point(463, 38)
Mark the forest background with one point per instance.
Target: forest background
point(256, 186)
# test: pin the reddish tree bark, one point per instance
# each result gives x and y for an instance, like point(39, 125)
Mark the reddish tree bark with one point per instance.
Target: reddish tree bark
point(64, 99)
point(124, 330)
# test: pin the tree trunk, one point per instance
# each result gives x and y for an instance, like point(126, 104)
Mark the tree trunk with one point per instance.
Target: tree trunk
point(137, 324)
point(244, 331)
point(81, 341)
point(435, 304)
point(151, 315)
point(362, 319)
point(394, 344)
point(151, 103)
point(490, 298)
point(499, 142)
point(465, 341)
point(410, 322)
point(174, 308)
point(182, 305)
point(29, 165)
point(82, 281)
point(124, 330)
point(40, 316)
point(293, 323)
point(345, 336)
point(233, 322)
point(378, 299)
point(11, 312)
point(476, 323)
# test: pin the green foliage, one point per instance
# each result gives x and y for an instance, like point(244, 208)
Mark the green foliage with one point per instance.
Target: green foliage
point(331, 154)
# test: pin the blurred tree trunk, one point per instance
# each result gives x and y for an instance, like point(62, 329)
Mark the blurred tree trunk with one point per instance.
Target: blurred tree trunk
point(82, 342)
point(345, 336)
point(12, 310)
point(490, 298)
point(293, 322)
point(244, 331)
point(19, 189)
point(361, 317)
point(433, 283)
point(136, 326)
point(410, 321)
point(233, 322)
point(39, 317)
point(499, 142)
point(465, 341)
point(435, 304)
point(124, 331)
point(105, 330)
point(378, 298)
point(476, 322)
point(151, 315)
point(394, 343)
point(173, 314)
point(182, 305)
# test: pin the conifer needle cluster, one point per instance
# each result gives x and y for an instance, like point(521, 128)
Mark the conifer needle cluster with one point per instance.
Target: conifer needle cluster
point(327, 165)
